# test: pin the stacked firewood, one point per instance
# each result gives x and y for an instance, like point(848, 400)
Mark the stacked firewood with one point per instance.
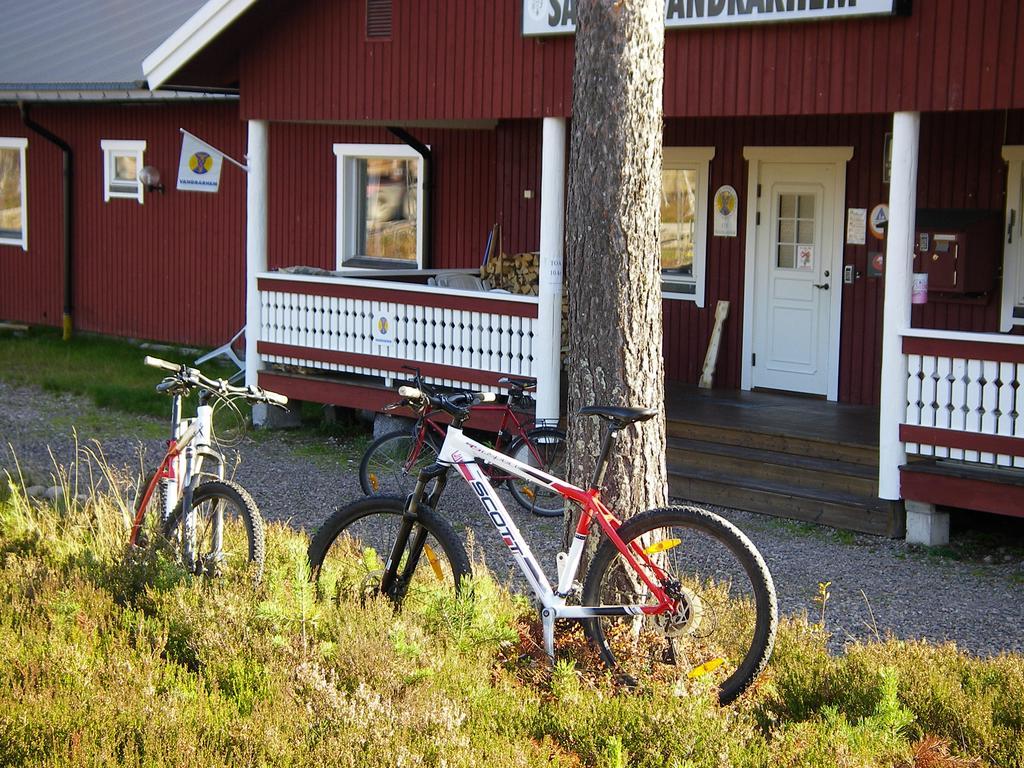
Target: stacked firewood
point(518, 273)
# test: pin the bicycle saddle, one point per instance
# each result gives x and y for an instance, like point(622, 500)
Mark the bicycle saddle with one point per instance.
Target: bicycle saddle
point(622, 417)
point(517, 382)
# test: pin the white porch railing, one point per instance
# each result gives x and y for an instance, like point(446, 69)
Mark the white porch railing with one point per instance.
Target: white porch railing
point(965, 397)
point(458, 338)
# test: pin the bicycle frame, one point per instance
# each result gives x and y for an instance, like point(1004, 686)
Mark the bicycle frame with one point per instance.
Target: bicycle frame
point(179, 473)
point(463, 452)
point(427, 425)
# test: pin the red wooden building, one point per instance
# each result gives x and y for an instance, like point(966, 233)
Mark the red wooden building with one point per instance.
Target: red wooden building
point(77, 119)
point(818, 156)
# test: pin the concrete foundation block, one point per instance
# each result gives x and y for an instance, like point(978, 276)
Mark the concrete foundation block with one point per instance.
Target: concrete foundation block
point(271, 417)
point(925, 525)
point(384, 423)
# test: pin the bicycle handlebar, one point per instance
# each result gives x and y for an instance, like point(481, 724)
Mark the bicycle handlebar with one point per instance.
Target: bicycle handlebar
point(456, 404)
point(195, 378)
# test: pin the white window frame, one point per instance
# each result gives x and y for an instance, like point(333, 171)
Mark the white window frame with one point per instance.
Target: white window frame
point(21, 145)
point(691, 159)
point(348, 197)
point(1013, 252)
point(113, 148)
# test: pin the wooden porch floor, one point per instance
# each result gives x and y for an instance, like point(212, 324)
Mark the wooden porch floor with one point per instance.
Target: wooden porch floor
point(773, 413)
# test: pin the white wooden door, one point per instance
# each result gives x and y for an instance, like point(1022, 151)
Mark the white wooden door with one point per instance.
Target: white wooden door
point(795, 277)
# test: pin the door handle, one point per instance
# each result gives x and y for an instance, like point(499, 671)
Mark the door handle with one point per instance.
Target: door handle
point(822, 286)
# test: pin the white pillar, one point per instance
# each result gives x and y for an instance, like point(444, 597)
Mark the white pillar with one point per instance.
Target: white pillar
point(547, 338)
point(906, 128)
point(255, 240)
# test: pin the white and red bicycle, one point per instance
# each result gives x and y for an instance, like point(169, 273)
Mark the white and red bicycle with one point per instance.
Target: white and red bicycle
point(672, 594)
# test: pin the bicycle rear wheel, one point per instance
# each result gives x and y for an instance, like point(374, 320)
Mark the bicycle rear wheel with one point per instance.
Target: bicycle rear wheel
point(242, 545)
point(545, 449)
point(348, 553)
point(393, 461)
point(724, 625)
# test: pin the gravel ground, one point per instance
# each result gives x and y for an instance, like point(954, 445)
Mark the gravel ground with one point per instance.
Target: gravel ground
point(878, 586)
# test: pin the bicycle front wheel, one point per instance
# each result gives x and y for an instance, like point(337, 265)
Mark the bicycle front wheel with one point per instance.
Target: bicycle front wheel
point(229, 536)
point(543, 448)
point(393, 461)
point(724, 624)
point(348, 553)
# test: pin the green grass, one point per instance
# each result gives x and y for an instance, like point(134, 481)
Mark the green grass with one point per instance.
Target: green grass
point(107, 371)
point(112, 659)
point(110, 373)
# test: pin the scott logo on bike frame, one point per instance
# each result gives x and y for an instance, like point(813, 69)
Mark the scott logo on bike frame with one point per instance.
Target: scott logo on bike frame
point(489, 505)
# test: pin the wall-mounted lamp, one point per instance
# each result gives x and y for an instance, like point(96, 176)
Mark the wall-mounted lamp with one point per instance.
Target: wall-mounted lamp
point(150, 178)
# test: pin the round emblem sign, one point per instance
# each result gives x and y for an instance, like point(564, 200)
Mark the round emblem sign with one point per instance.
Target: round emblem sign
point(878, 221)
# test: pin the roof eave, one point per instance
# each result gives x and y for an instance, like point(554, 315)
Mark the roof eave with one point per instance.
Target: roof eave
point(190, 38)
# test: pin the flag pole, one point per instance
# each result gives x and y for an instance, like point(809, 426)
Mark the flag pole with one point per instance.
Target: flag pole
point(226, 156)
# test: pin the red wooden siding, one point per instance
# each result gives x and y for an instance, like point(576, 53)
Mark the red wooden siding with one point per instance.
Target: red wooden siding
point(130, 258)
point(466, 60)
point(479, 179)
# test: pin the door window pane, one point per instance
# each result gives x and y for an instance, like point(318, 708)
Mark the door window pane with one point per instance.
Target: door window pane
point(795, 227)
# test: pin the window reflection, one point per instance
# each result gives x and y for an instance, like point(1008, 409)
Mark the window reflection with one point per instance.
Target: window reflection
point(678, 220)
point(386, 219)
point(10, 192)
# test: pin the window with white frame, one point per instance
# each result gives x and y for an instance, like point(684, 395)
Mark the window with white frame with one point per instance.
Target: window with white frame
point(13, 198)
point(380, 190)
point(1012, 310)
point(684, 221)
point(122, 161)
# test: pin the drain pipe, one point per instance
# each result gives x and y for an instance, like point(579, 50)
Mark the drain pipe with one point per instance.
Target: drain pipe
point(68, 176)
point(428, 170)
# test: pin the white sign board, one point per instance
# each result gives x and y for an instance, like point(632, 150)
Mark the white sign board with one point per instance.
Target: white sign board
point(383, 331)
point(726, 202)
point(856, 226)
point(199, 166)
point(558, 17)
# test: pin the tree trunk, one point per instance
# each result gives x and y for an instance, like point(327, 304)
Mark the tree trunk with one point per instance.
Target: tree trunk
point(613, 264)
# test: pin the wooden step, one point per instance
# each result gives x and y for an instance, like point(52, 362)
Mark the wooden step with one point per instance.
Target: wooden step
point(867, 514)
point(797, 469)
point(751, 437)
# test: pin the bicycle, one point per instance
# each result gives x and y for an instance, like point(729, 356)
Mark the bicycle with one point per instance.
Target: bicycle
point(187, 501)
point(673, 594)
point(392, 461)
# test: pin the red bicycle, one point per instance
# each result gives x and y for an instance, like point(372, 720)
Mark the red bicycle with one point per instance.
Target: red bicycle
point(393, 461)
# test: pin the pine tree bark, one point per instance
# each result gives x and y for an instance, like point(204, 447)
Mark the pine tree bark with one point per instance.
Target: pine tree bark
point(613, 264)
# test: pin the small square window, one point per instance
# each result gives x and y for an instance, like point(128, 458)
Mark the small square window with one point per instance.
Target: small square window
point(13, 226)
point(122, 161)
point(380, 190)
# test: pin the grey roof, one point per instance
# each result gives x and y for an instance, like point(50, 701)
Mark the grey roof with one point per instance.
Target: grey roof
point(83, 44)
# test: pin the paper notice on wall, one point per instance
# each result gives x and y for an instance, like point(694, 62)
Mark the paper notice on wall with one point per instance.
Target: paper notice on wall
point(857, 226)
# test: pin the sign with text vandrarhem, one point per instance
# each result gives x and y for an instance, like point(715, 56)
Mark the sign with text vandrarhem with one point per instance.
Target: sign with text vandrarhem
point(558, 17)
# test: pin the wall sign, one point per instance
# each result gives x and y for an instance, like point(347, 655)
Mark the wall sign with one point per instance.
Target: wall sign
point(558, 17)
point(856, 226)
point(383, 328)
point(878, 221)
point(726, 202)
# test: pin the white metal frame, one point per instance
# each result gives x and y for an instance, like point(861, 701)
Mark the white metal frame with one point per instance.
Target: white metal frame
point(348, 196)
point(112, 149)
point(697, 159)
point(20, 144)
point(839, 157)
point(1013, 243)
point(461, 452)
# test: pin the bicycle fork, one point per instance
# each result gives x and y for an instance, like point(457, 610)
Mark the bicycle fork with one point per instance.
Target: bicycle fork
point(392, 583)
